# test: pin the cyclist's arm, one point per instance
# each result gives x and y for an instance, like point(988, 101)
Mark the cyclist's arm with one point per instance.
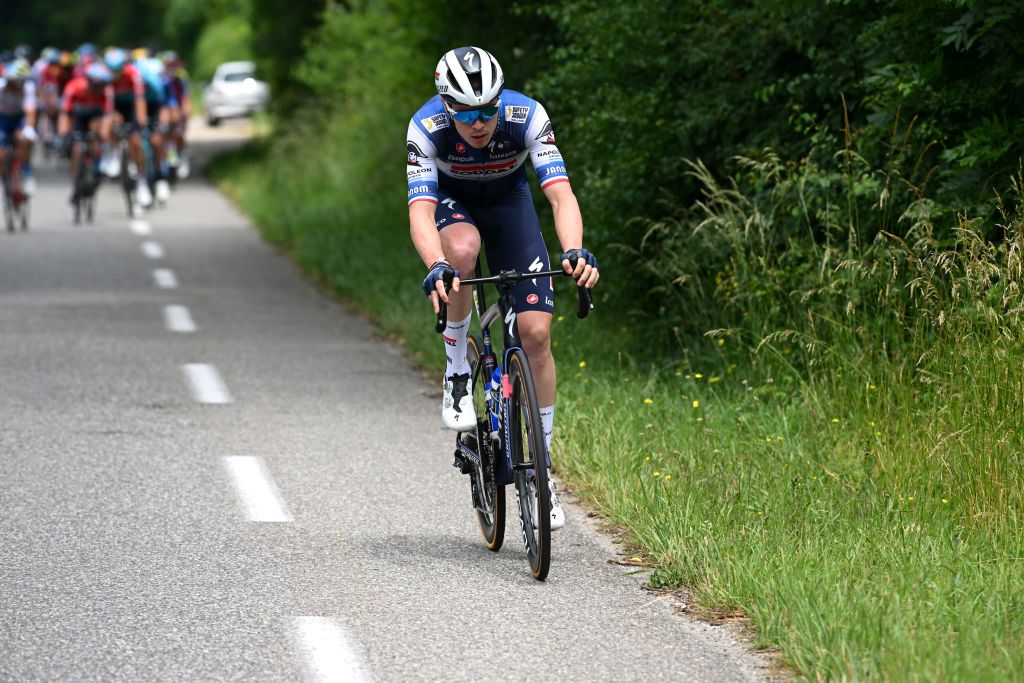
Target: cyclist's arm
point(31, 104)
point(421, 173)
point(554, 182)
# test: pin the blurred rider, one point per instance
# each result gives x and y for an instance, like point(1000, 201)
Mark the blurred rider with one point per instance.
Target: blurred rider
point(18, 109)
point(130, 116)
point(158, 97)
point(87, 108)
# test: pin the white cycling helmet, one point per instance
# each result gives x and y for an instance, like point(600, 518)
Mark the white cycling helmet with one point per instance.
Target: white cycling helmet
point(468, 75)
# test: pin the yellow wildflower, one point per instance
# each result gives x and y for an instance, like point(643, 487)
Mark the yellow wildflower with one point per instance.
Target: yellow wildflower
point(721, 341)
point(835, 420)
point(648, 401)
point(945, 501)
point(657, 474)
point(583, 363)
point(712, 380)
point(697, 375)
point(696, 404)
point(910, 499)
point(668, 476)
point(561, 318)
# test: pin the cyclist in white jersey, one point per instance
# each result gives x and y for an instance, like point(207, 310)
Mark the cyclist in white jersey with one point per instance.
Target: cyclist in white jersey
point(467, 148)
point(18, 117)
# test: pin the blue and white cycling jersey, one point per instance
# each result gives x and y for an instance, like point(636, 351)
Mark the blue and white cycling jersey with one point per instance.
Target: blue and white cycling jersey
point(441, 162)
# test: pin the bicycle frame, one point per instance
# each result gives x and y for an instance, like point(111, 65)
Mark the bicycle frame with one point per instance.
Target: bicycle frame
point(503, 309)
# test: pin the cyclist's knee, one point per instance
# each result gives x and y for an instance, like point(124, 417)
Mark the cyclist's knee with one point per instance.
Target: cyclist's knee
point(535, 333)
point(461, 247)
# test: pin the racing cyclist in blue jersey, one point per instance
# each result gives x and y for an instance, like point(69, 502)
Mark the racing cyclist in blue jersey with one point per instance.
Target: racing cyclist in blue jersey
point(467, 148)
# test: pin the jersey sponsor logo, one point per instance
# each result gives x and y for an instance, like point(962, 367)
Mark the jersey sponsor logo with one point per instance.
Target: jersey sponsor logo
point(516, 114)
point(458, 216)
point(532, 299)
point(435, 122)
point(485, 168)
point(552, 153)
point(452, 157)
point(548, 302)
point(460, 148)
point(449, 202)
point(547, 134)
point(415, 153)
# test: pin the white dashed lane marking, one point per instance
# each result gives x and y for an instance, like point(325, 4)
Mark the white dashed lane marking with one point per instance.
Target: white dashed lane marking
point(327, 651)
point(165, 278)
point(178, 319)
point(152, 249)
point(141, 228)
point(206, 384)
point(257, 495)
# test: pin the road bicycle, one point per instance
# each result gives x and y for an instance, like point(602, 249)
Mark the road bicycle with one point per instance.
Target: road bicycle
point(507, 445)
point(86, 177)
point(127, 168)
point(15, 199)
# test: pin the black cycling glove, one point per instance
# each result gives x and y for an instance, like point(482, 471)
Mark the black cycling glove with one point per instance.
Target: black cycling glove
point(439, 271)
point(575, 254)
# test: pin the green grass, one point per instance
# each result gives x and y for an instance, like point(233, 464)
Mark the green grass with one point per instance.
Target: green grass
point(865, 516)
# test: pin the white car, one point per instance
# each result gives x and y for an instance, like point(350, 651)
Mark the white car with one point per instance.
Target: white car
point(234, 91)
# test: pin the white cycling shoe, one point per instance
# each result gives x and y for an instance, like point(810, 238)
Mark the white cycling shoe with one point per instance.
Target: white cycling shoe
point(111, 166)
point(557, 514)
point(163, 191)
point(142, 194)
point(28, 185)
point(457, 404)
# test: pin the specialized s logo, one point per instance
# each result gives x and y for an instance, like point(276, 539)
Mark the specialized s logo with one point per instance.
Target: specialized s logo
point(547, 134)
point(415, 153)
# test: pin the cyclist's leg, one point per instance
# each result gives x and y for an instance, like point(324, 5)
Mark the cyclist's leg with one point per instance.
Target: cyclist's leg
point(460, 241)
point(513, 241)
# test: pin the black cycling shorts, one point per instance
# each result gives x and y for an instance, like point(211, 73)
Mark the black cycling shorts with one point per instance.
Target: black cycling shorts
point(510, 231)
point(81, 117)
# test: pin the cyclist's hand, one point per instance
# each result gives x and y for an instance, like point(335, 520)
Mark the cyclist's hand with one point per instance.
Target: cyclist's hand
point(433, 283)
point(29, 133)
point(582, 265)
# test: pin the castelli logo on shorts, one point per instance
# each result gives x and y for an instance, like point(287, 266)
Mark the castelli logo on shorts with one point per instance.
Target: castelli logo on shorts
point(457, 215)
point(532, 299)
point(460, 148)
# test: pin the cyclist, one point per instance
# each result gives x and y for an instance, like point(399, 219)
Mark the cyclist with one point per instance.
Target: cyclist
point(129, 115)
point(87, 107)
point(158, 116)
point(18, 118)
point(467, 148)
point(180, 111)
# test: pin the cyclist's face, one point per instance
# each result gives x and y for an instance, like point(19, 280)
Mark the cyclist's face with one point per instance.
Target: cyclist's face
point(479, 133)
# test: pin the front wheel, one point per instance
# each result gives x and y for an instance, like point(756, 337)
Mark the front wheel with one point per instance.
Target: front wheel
point(529, 459)
point(491, 514)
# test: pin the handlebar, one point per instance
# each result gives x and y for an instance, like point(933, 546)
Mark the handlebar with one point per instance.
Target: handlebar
point(507, 278)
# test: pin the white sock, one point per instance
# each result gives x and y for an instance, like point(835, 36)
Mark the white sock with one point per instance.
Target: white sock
point(547, 421)
point(455, 335)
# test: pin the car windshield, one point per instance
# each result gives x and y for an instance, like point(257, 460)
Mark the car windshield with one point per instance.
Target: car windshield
point(237, 76)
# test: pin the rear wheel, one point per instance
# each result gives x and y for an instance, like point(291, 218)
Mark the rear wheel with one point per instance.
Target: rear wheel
point(492, 497)
point(526, 441)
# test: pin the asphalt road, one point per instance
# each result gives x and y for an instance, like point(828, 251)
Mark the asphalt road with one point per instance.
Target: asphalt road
point(248, 485)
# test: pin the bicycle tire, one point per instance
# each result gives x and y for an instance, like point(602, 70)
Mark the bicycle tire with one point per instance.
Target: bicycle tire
point(127, 183)
point(492, 525)
point(525, 429)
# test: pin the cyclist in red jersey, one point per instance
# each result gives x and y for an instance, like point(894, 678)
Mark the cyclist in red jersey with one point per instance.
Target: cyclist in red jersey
point(129, 108)
point(87, 107)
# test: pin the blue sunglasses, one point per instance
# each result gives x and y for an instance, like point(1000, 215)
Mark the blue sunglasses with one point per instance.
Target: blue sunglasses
point(470, 116)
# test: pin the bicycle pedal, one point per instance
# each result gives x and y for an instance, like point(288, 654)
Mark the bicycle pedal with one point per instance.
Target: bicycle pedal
point(462, 463)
